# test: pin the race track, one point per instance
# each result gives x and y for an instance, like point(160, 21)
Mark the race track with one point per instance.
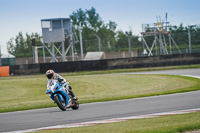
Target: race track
point(31, 119)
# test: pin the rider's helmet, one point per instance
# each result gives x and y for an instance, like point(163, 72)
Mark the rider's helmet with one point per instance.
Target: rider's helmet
point(50, 74)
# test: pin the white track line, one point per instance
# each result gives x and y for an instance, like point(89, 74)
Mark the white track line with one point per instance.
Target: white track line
point(192, 76)
point(108, 120)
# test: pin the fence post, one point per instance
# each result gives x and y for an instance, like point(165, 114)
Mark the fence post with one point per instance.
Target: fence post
point(99, 42)
point(189, 40)
point(129, 43)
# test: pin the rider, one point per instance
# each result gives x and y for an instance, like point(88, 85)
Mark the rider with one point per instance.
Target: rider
point(52, 75)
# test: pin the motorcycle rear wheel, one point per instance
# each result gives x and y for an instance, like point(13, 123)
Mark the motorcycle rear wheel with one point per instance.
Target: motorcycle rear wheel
point(61, 104)
point(76, 106)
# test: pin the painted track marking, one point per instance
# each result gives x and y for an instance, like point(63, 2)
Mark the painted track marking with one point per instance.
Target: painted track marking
point(108, 120)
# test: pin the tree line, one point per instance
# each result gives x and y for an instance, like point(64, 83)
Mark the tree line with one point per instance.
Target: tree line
point(92, 26)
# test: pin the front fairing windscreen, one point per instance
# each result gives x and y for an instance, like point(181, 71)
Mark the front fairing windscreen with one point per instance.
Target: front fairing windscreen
point(52, 84)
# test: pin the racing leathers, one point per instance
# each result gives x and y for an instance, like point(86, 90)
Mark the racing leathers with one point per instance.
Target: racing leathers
point(63, 81)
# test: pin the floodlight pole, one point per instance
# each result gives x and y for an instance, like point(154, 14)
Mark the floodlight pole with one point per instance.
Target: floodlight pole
point(36, 54)
point(81, 43)
point(129, 43)
point(189, 40)
point(99, 42)
point(33, 48)
point(43, 53)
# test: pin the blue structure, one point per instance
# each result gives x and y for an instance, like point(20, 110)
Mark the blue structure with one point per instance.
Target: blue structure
point(56, 29)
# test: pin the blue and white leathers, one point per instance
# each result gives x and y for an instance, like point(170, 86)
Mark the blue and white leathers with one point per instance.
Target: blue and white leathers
point(56, 88)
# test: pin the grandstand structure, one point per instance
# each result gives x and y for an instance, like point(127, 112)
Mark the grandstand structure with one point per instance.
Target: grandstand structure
point(162, 39)
point(55, 32)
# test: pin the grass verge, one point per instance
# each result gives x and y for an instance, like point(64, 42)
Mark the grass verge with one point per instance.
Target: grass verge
point(163, 124)
point(132, 70)
point(28, 92)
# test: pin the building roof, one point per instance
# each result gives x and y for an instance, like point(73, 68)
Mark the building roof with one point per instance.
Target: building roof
point(54, 19)
point(7, 56)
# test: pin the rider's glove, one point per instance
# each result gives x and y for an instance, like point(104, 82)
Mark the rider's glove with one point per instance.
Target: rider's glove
point(60, 80)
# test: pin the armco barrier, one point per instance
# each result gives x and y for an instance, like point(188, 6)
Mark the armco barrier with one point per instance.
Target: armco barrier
point(74, 66)
point(135, 62)
point(4, 71)
point(29, 69)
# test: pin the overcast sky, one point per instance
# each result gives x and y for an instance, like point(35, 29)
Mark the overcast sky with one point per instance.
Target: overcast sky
point(25, 15)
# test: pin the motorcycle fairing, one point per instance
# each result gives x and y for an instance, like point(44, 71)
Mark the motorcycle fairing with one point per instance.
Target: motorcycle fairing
point(57, 89)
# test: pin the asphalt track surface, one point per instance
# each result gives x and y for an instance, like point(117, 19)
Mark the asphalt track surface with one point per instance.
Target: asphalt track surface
point(31, 119)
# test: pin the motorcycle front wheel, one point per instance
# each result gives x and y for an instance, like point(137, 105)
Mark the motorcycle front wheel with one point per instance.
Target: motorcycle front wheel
point(61, 104)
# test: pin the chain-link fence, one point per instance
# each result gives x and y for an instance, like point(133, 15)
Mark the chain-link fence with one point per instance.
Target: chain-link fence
point(175, 43)
point(188, 42)
point(112, 47)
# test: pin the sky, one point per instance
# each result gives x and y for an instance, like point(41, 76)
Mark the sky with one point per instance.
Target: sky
point(25, 15)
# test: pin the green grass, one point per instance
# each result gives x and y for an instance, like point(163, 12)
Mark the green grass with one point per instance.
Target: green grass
point(28, 92)
point(163, 124)
point(132, 70)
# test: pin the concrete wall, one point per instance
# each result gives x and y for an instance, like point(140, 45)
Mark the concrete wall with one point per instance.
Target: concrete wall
point(28, 69)
point(134, 62)
point(108, 55)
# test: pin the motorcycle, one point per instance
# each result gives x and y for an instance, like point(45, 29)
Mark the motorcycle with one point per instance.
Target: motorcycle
point(61, 96)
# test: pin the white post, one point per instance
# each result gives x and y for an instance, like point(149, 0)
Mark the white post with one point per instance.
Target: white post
point(33, 48)
point(99, 42)
point(81, 42)
point(63, 52)
point(189, 40)
point(44, 53)
point(36, 55)
point(129, 44)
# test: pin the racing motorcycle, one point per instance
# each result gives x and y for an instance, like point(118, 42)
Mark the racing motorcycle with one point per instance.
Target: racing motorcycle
point(61, 96)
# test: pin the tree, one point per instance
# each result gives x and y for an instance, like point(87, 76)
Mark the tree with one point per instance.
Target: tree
point(121, 41)
point(10, 46)
point(79, 18)
point(93, 26)
point(112, 26)
point(93, 19)
point(21, 46)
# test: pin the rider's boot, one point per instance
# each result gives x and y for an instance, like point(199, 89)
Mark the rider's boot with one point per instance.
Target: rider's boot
point(72, 94)
point(69, 104)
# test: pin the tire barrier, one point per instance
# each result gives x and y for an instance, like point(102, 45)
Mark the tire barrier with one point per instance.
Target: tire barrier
point(4, 71)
